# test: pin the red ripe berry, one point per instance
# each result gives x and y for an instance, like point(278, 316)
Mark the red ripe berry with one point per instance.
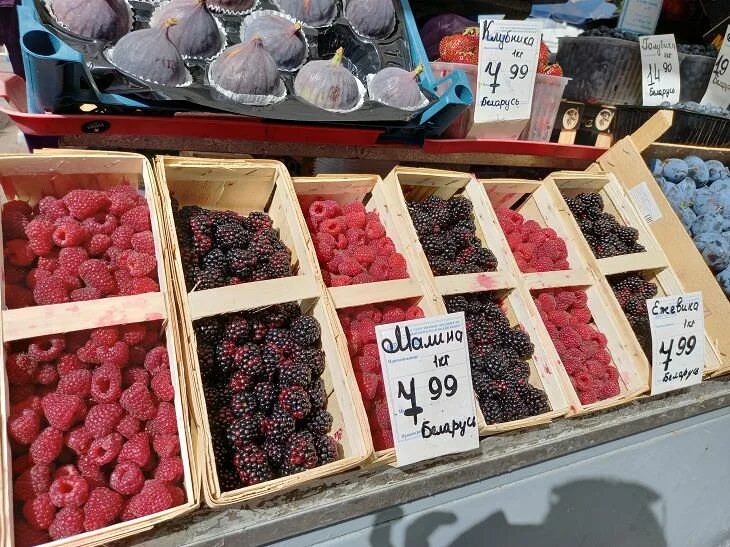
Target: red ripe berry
point(564, 299)
point(588, 396)
point(14, 224)
point(127, 478)
point(123, 200)
point(355, 237)
point(383, 439)
point(583, 381)
point(142, 285)
point(570, 337)
point(140, 265)
point(20, 368)
point(157, 360)
point(45, 349)
point(71, 258)
point(18, 297)
point(581, 315)
point(69, 491)
point(356, 219)
point(103, 418)
point(138, 401)
point(384, 246)
point(25, 427)
point(153, 498)
point(21, 464)
point(368, 384)
point(165, 421)
point(129, 426)
point(102, 508)
point(414, 312)
point(85, 203)
point(32, 482)
point(331, 226)
point(169, 469)
point(105, 336)
point(61, 410)
point(69, 234)
point(318, 212)
point(138, 218)
point(117, 355)
point(144, 242)
point(76, 383)
point(136, 449)
point(393, 314)
point(600, 338)
point(162, 386)
point(122, 237)
point(98, 244)
point(106, 384)
point(603, 357)
point(79, 440)
point(340, 280)
point(543, 264)
point(132, 375)
point(19, 252)
point(47, 446)
point(68, 522)
point(40, 236)
point(374, 229)
point(103, 450)
point(166, 445)
point(39, 512)
point(95, 273)
point(45, 375)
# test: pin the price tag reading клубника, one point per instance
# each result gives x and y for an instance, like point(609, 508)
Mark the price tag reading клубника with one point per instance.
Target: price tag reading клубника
point(677, 341)
point(718, 89)
point(427, 377)
point(660, 68)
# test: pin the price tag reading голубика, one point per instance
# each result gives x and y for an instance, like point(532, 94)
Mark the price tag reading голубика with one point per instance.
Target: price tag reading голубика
point(427, 378)
point(677, 341)
point(660, 67)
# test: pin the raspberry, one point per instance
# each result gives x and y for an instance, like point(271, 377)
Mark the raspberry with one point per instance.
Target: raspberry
point(98, 244)
point(71, 258)
point(331, 226)
point(340, 280)
point(318, 212)
point(374, 229)
point(128, 426)
point(79, 440)
point(600, 338)
point(356, 219)
point(84, 203)
point(69, 279)
point(19, 252)
point(47, 446)
point(581, 299)
point(117, 355)
point(562, 265)
point(39, 512)
point(140, 265)
point(133, 334)
point(138, 218)
point(69, 234)
point(564, 300)
point(368, 384)
point(384, 246)
point(169, 469)
point(142, 285)
point(164, 422)
point(132, 375)
point(123, 201)
point(68, 522)
point(559, 318)
point(393, 314)
point(14, 275)
point(547, 301)
point(95, 274)
point(589, 347)
point(21, 464)
point(46, 375)
point(103, 418)
point(14, 224)
point(105, 336)
point(380, 271)
point(103, 450)
point(127, 478)
point(361, 278)
point(144, 242)
point(176, 493)
point(526, 250)
point(162, 386)
point(87, 353)
point(153, 498)
point(106, 384)
point(574, 367)
point(40, 236)
point(18, 297)
point(397, 262)
point(68, 363)
point(27, 536)
point(45, 349)
point(102, 508)
point(583, 381)
point(32, 482)
point(61, 410)
point(25, 427)
point(383, 439)
point(122, 237)
point(603, 357)
point(544, 264)
point(20, 368)
point(69, 491)
point(157, 360)
point(138, 401)
point(350, 267)
point(76, 383)
point(581, 315)
point(136, 449)
point(414, 312)
point(588, 396)
point(596, 370)
point(166, 445)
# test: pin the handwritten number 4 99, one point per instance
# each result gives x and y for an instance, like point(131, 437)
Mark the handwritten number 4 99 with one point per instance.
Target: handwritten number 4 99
point(685, 346)
point(515, 71)
point(435, 386)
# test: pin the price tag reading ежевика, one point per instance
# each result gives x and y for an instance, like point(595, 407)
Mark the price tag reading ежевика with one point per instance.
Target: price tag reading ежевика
point(718, 89)
point(660, 69)
point(427, 377)
point(677, 341)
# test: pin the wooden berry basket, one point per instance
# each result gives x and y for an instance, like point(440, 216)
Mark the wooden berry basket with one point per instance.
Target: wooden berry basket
point(628, 166)
point(418, 184)
point(656, 263)
point(30, 178)
point(244, 186)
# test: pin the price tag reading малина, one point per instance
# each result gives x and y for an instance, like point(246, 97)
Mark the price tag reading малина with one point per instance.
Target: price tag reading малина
point(427, 379)
point(677, 341)
point(718, 90)
point(508, 54)
point(660, 68)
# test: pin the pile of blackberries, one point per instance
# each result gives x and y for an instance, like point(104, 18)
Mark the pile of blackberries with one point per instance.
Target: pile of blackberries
point(264, 393)
point(447, 234)
point(632, 291)
point(601, 230)
point(221, 248)
point(499, 354)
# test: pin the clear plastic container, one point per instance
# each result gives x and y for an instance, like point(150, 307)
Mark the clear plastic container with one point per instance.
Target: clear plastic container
point(605, 71)
point(694, 75)
point(461, 126)
point(545, 105)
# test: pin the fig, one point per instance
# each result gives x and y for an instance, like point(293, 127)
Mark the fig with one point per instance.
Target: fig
point(197, 34)
point(315, 13)
point(150, 55)
point(328, 84)
point(246, 69)
point(398, 88)
point(106, 20)
point(371, 18)
point(236, 6)
point(283, 38)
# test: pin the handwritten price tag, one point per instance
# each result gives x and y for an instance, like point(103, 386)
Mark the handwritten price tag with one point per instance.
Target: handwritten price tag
point(427, 379)
point(660, 66)
point(677, 340)
point(640, 16)
point(718, 90)
point(508, 54)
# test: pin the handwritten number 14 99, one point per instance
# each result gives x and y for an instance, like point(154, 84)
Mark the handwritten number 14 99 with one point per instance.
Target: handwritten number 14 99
point(435, 386)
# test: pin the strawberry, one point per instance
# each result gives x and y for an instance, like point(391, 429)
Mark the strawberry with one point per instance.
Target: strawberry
point(542, 60)
point(461, 48)
point(554, 70)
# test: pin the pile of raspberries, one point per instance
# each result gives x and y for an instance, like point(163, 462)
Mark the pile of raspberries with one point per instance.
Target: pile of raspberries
point(499, 354)
point(581, 347)
point(632, 292)
point(359, 326)
point(351, 244)
point(93, 431)
point(87, 245)
point(266, 400)
point(605, 236)
point(222, 248)
point(447, 234)
point(535, 249)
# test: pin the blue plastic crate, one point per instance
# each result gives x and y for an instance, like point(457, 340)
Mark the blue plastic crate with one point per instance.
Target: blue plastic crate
point(56, 76)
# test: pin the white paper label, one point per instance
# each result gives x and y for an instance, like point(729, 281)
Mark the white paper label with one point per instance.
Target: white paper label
point(718, 90)
point(508, 54)
point(677, 340)
point(660, 69)
point(644, 201)
point(427, 378)
point(640, 16)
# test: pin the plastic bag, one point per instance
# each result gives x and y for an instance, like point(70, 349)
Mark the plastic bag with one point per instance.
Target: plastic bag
point(438, 27)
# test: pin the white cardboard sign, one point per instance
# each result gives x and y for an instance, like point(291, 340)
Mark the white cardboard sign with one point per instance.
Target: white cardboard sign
point(427, 377)
point(677, 340)
point(640, 16)
point(718, 89)
point(660, 69)
point(508, 54)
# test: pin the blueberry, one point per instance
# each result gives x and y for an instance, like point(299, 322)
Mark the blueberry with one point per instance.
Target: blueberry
point(675, 170)
point(697, 171)
point(702, 240)
point(655, 166)
point(687, 216)
point(717, 254)
point(723, 278)
point(706, 202)
point(688, 189)
point(708, 222)
point(716, 170)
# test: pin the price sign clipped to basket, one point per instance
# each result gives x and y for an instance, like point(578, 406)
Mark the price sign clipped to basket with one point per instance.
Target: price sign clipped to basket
point(677, 341)
point(660, 68)
point(508, 55)
point(718, 89)
point(427, 378)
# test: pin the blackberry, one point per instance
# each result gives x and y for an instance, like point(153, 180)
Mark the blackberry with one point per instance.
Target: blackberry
point(485, 259)
point(259, 330)
point(271, 356)
point(455, 304)
point(305, 330)
point(238, 329)
point(492, 411)
point(279, 425)
point(421, 222)
point(649, 290)
point(230, 234)
point(433, 245)
point(519, 340)
point(228, 479)
point(206, 361)
point(317, 394)
point(287, 469)
point(215, 260)
point(202, 243)
point(260, 221)
point(262, 248)
point(294, 374)
point(252, 465)
point(243, 402)
point(494, 363)
point(279, 338)
point(460, 237)
point(295, 401)
point(627, 234)
point(460, 208)
point(291, 310)
point(534, 399)
point(245, 430)
point(474, 305)
point(319, 422)
point(601, 229)
point(521, 370)
point(585, 225)
point(276, 452)
point(275, 317)
point(220, 420)
point(592, 200)
point(479, 381)
point(248, 359)
point(242, 262)
point(224, 354)
point(326, 448)
point(467, 223)
point(314, 358)
point(239, 381)
point(512, 406)
point(501, 330)
point(216, 397)
point(265, 395)
point(280, 265)
point(208, 279)
point(434, 203)
point(439, 265)
point(208, 329)
point(637, 248)
point(636, 306)
point(300, 450)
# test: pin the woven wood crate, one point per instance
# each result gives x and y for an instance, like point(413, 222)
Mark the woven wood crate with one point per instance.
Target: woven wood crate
point(31, 178)
point(244, 186)
point(406, 184)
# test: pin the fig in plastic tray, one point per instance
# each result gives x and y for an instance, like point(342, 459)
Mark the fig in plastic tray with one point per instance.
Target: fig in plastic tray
point(106, 20)
point(197, 33)
point(328, 84)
